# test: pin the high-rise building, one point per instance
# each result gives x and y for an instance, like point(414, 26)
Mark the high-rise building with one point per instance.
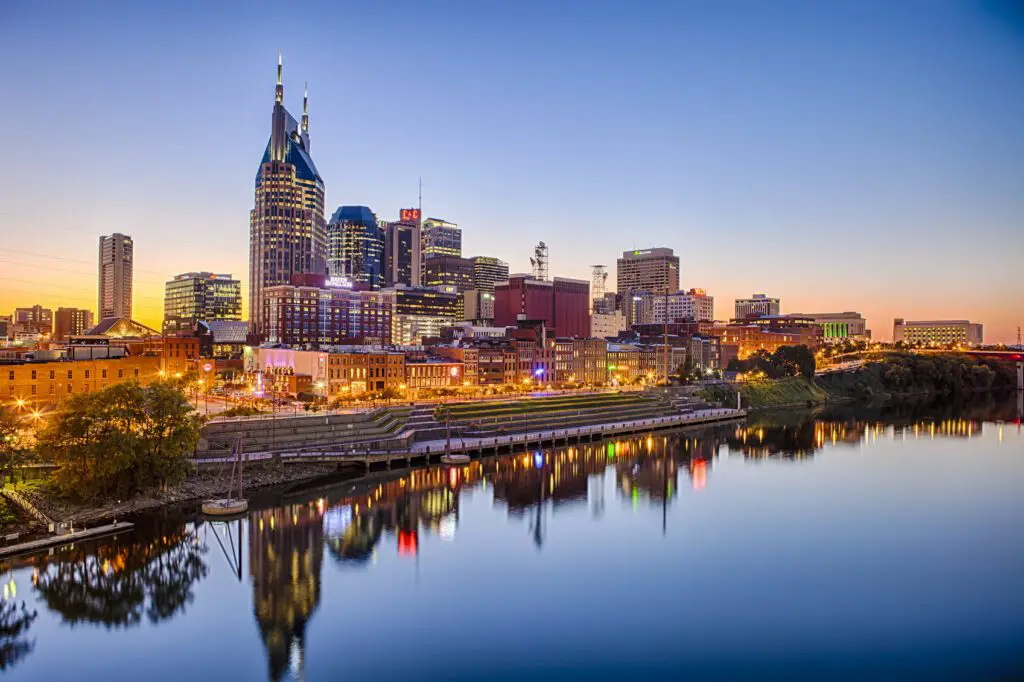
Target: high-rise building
point(71, 322)
point(561, 303)
point(654, 270)
point(683, 306)
point(287, 232)
point(355, 247)
point(757, 305)
point(439, 238)
point(488, 271)
point(937, 332)
point(117, 252)
point(402, 245)
point(195, 296)
point(423, 312)
point(448, 271)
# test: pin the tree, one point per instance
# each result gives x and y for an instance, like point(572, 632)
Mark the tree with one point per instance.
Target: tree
point(13, 442)
point(121, 440)
point(795, 361)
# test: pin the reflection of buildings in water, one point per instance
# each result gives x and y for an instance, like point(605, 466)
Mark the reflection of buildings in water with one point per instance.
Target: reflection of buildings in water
point(794, 441)
point(285, 556)
point(561, 476)
point(941, 428)
point(424, 500)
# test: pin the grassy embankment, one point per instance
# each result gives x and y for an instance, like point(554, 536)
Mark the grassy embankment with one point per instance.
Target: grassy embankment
point(893, 377)
point(552, 405)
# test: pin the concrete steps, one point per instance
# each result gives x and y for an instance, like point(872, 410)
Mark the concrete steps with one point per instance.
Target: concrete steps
point(293, 433)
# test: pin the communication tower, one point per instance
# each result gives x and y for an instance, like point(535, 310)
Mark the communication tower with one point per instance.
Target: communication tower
point(540, 261)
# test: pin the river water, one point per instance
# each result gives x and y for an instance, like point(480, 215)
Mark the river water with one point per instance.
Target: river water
point(859, 544)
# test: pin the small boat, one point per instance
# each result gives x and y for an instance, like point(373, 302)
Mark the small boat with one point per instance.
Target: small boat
point(230, 506)
point(225, 507)
point(455, 460)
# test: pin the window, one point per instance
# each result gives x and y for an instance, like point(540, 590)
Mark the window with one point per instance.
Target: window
point(33, 376)
point(86, 374)
point(10, 375)
point(33, 389)
point(51, 389)
point(70, 388)
point(52, 374)
point(136, 372)
point(103, 374)
point(120, 374)
point(69, 374)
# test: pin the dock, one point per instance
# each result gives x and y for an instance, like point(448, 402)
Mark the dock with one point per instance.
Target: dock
point(67, 539)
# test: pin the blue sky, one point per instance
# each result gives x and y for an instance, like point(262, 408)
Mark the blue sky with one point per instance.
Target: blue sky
point(840, 155)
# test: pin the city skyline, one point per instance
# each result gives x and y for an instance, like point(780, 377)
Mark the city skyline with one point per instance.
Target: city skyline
point(903, 218)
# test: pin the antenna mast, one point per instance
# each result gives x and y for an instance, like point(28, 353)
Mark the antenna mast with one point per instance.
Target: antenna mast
point(540, 261)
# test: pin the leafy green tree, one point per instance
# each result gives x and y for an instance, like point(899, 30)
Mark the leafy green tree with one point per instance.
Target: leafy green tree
point(13, 441)
point(121, 440)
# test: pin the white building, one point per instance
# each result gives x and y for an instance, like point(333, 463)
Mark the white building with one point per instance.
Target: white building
point(683, 306)
point(937, 332)
point(606, 325)
point(757, 305)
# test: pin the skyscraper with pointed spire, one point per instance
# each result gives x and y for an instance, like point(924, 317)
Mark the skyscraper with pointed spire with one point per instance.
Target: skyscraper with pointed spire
point(287, 230)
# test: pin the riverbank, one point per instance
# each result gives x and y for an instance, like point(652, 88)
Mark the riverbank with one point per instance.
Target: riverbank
point(202, 485)
point(897, 377)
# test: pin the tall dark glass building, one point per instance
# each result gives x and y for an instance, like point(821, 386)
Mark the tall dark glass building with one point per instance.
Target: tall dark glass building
point(355, 245)
point(287, 234)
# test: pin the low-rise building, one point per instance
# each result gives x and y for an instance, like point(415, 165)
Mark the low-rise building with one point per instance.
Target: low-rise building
point(433, 372)
point(838, 327)
point(48, 382)
point(937, 332)
point(607, 325)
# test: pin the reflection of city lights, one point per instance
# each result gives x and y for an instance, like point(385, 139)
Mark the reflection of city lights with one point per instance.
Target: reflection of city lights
point(407, 543)
point(446, 529)
point(538, 460)
point(699, 473)
point(336, 521)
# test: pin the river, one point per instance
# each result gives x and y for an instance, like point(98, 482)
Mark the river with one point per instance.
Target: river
point(853, 544)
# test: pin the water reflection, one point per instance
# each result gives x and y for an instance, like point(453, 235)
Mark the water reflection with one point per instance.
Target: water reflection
point(118, 582)
point(285, 558)
point(150, 575)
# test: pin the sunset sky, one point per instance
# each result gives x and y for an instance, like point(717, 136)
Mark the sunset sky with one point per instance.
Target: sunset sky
point(839, 155)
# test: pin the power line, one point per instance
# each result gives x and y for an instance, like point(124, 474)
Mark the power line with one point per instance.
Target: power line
point(19, 264)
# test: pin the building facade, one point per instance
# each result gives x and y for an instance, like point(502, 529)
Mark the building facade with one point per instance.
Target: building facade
point(423, 312)
point(444, 271)
point(116, 258)
point(607, 325)
point(71, 322)
point(937, 332)
point(487, 272)
point(478, 305)
point(439, 238)
point(195, 296)
point(311, 312)
point(683, 306)
point(757, 305)
point(355, 247)
point(47, 383)
point(402, 244)
point(838, 327)
point(561, 303)
point(654, 270)
point(287, 231)
point(33, 320)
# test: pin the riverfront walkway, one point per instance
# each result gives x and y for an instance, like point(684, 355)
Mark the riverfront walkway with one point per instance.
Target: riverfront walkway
point(423, 452)
point(66, 539)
